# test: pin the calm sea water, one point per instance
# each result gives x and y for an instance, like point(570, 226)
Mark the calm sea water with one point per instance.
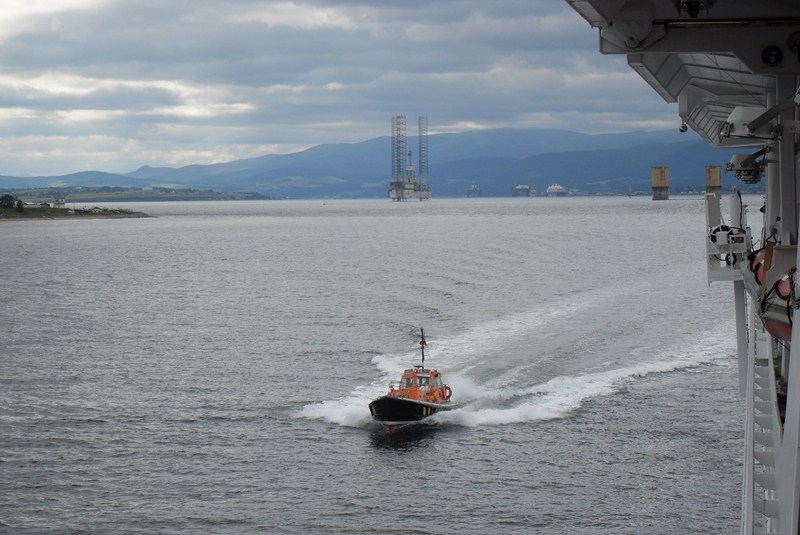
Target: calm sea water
point(208, 370)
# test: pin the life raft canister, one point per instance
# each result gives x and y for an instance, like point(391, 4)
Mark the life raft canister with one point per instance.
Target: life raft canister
point(778, 305)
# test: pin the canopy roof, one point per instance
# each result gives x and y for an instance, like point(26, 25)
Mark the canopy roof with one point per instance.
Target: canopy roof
point(685, 50)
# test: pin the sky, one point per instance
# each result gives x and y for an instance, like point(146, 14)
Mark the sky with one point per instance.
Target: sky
point(111, 85)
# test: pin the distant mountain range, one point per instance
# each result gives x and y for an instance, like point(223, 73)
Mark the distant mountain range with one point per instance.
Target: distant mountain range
point(494, 160)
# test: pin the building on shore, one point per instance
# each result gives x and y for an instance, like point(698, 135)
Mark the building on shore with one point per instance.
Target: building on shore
point(474, 190)
point(523, 190)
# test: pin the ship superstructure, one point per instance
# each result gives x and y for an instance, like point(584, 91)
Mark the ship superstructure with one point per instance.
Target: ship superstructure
point(733, 69)
point(406, 183)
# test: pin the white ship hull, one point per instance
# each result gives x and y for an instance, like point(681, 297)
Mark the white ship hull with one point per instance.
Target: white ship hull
point(733, 69)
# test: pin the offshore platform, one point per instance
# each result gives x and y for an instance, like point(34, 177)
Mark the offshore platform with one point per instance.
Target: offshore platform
point(406, 184)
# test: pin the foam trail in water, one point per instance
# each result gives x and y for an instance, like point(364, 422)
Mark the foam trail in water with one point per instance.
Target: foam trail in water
point(552, 399)
point(471, 347)
point(563, 394)
point(348, 412)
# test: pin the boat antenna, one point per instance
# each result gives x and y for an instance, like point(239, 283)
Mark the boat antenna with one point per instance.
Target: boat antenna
point(422, 344)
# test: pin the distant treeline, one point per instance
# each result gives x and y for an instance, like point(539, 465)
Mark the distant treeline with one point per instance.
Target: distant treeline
point(122, 194)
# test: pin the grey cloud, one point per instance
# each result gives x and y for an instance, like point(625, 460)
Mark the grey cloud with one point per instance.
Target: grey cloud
point(312, 72)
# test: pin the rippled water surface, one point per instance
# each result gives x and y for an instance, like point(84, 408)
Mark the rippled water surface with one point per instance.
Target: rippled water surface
point(208, 370)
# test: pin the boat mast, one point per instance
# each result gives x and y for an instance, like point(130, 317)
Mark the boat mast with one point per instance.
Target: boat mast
point(422, 344)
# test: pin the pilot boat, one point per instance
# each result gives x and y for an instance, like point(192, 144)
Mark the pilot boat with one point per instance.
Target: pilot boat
point(419, 394)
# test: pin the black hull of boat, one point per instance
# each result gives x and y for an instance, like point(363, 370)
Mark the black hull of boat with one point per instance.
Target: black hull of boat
point(399, 411)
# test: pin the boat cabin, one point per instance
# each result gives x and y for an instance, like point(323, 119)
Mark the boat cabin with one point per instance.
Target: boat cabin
point(420, 384)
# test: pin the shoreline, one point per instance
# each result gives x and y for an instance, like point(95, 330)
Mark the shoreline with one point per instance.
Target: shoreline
point(31, 214)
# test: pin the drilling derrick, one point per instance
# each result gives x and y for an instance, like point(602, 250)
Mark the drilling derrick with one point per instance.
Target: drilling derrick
point(398, 158)
point(398, 147)
point(410, 177)
point(423, 189)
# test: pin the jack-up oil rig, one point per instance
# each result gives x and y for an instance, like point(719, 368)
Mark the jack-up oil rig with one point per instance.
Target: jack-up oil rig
point(405, 183)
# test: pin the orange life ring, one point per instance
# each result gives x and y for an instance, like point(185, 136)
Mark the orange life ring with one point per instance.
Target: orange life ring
point(447, 392)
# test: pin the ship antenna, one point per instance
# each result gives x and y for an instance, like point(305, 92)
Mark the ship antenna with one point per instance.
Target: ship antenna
point(422, 344)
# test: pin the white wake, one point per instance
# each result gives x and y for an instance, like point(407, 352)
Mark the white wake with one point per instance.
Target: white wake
point(490, 403)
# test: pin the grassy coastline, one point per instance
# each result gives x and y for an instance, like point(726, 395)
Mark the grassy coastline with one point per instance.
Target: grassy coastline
point(48, 212)
point(101, 194)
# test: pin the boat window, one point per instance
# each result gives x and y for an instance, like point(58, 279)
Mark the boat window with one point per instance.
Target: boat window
point(408, 382)
point(423, 381)
point(437, 382)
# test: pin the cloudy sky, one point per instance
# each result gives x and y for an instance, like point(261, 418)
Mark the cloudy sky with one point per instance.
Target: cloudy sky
point(112, 85)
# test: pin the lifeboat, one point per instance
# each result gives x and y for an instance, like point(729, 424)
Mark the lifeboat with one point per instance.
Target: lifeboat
point(777, 307)
point(419, 394)
point(778, 302)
